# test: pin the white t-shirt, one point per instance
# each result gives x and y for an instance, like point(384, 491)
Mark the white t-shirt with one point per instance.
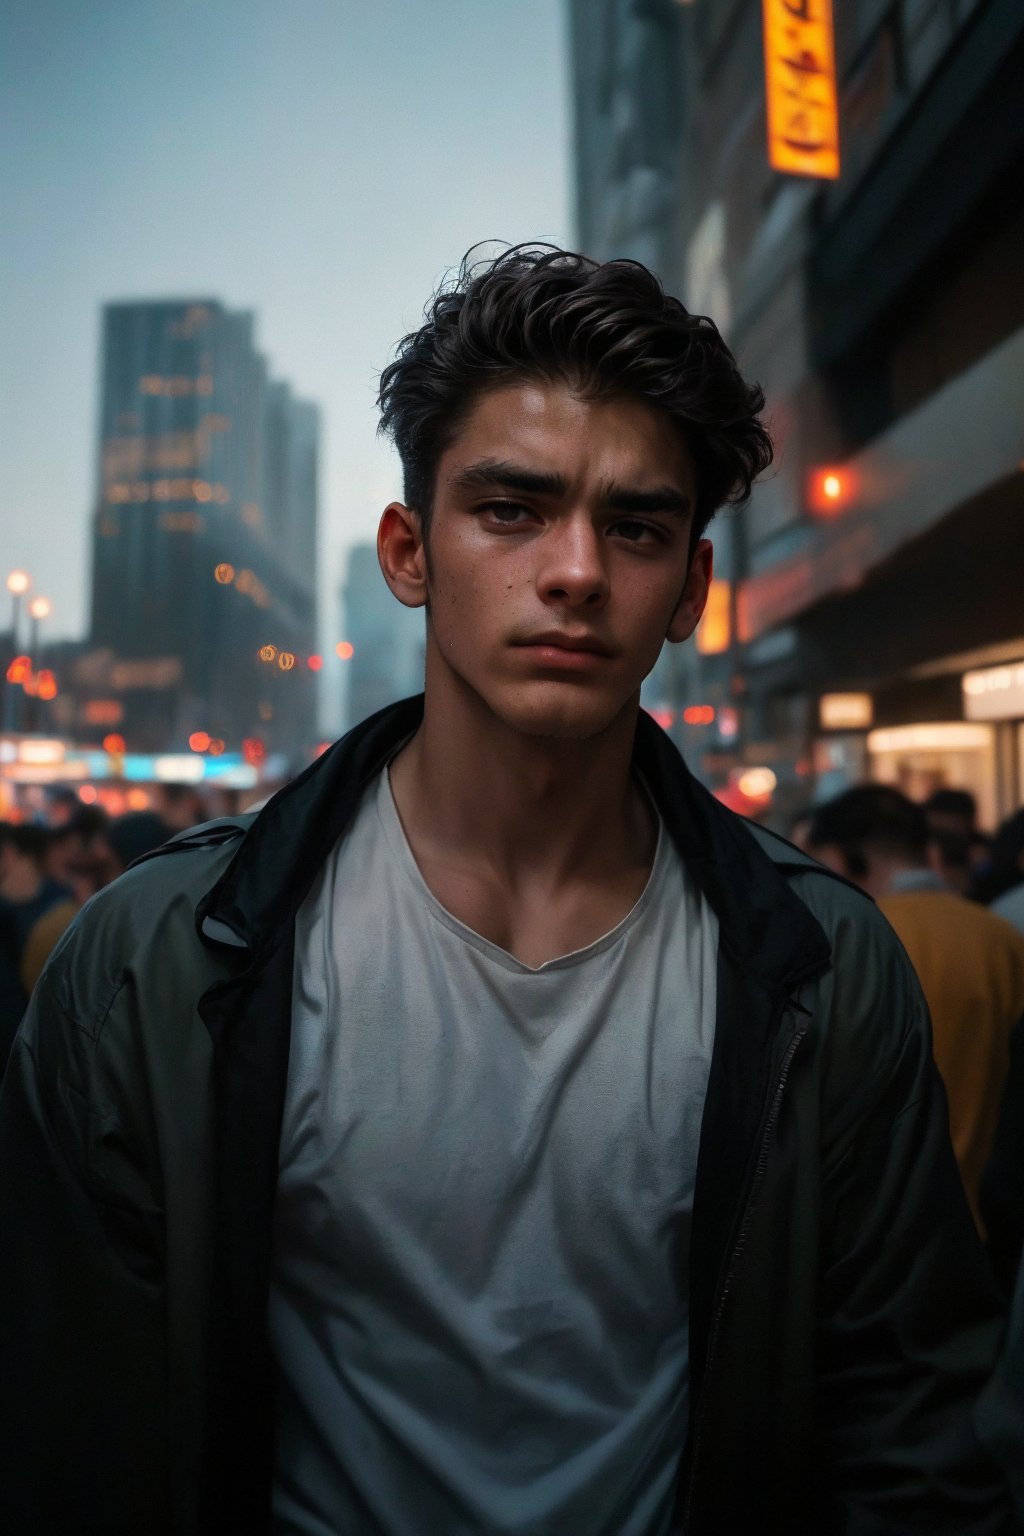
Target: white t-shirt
point(479, 1294)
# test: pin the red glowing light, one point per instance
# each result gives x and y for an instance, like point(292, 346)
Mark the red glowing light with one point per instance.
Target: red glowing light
point(345, 649)
point(199, 741)
point(662, 717)
point(253, 751)
point(20, 669)
point(314, 663)
point(87, 794)
point(114, 744)
point(699, 714)
point(829, 491)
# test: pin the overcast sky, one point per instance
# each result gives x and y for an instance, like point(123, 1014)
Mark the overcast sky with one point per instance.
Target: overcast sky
point(321, 162)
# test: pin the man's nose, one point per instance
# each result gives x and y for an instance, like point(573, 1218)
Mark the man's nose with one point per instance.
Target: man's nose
point(573, 567)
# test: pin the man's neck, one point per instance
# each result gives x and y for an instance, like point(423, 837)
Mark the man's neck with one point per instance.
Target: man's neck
point(530, 810)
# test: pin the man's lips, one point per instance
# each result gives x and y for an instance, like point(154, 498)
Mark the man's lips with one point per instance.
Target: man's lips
point(571, 644)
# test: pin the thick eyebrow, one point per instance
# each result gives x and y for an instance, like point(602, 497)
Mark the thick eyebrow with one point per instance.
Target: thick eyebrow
point(613, 497)
point(512, 477)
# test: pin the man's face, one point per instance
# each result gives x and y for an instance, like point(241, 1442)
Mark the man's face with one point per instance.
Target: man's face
point(558, 556)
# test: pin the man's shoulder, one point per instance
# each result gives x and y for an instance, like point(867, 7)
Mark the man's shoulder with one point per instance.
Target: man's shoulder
point(829, 896)
point(151, 908)
point(865, 949)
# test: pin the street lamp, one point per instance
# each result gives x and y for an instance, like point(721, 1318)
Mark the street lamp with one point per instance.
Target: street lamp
point(39, 609)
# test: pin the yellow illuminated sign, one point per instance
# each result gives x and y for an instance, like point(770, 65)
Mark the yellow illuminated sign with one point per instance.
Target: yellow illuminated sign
point(845, 711)
point(800, 88)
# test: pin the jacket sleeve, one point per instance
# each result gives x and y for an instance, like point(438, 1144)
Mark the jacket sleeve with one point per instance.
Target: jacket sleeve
point(909, 1315)
point(82, 1337)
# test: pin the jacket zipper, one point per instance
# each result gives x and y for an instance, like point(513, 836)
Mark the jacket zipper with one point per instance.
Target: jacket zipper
point(775, 1106)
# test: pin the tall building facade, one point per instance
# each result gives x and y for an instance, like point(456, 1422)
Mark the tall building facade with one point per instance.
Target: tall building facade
point(204, 535)
point(387, 639)
point(873, 618)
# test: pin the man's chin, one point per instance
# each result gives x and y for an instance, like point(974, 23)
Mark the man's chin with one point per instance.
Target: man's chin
point(573, 719)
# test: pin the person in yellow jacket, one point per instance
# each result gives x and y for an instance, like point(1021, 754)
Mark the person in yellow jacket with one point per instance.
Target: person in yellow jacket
point(970, 963)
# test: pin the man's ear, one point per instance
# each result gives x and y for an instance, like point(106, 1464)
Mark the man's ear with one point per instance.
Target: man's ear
point(691, 605)
point(401, 554)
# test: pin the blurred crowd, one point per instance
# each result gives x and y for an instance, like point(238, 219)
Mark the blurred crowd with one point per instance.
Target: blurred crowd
point(49, 870)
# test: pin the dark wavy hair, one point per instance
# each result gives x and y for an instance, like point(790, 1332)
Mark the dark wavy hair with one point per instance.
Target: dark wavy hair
point(605, 328)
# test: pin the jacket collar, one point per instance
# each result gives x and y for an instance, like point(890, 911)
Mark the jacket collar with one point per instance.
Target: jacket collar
point(762, 924)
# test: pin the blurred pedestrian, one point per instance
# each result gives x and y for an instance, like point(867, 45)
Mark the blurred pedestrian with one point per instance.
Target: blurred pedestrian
point(970, 963)
point(1005, 883)
point(960, 848)
point(128, 837)
point(179, 806)
point(75, 853)
point(37, 910)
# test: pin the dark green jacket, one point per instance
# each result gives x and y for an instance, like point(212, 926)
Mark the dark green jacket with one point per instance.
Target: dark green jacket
point(841, 1317)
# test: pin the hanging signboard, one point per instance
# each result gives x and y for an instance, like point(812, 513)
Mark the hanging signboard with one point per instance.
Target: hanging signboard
point(800, 88)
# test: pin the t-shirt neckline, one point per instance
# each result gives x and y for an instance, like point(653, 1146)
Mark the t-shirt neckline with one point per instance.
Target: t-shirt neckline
point(398, 845)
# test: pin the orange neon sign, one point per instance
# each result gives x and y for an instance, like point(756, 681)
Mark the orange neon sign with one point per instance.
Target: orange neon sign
point(714, 632)
point(800, 88)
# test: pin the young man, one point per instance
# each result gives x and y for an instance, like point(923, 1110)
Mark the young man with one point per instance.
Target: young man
point(495, 1135)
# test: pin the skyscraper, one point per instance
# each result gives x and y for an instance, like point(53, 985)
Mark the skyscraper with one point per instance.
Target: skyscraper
point(205, 532)
point(387, 639)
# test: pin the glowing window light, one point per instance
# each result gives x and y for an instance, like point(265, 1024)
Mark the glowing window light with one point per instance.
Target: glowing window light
point(845, 711)
point(714, 632)
point(199, 741)
point(757, 783)
point(224, 573)
point(938, 736)
point(345, 649)
point(40, 753)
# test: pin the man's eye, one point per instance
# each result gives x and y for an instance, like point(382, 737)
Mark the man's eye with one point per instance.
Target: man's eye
point(504, 511)
point(628, 528)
